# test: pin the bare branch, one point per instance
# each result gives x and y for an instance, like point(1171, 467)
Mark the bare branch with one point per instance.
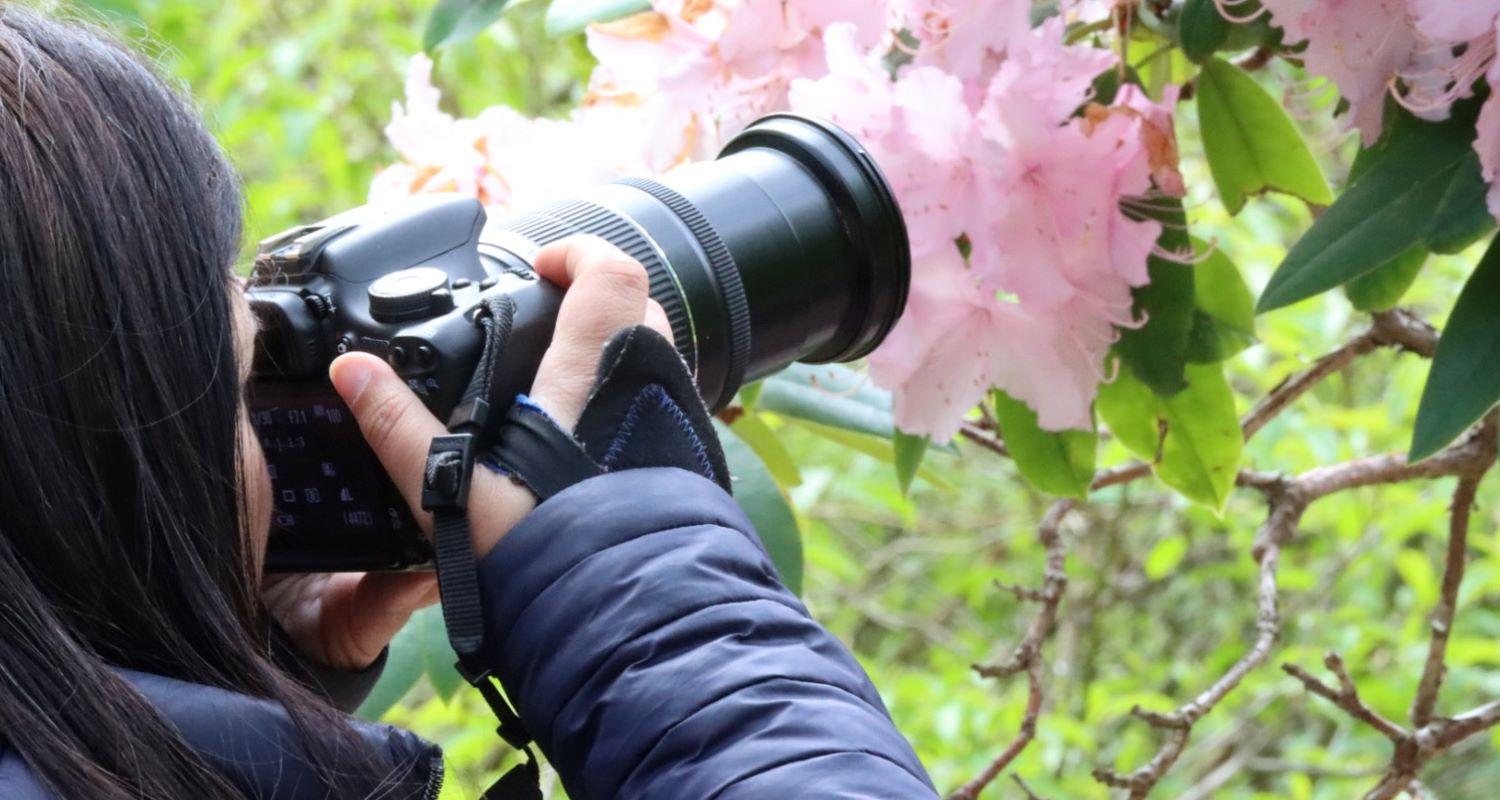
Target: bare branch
point(1287, 500)
point(1030, 795)
point(1027, 656)
point(984, 437)
point(1453, 574)
point(1429, 736)
point(1397, 328)
point(1346, 696)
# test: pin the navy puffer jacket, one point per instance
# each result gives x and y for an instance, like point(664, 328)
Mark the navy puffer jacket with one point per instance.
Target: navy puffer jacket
point(650, 648)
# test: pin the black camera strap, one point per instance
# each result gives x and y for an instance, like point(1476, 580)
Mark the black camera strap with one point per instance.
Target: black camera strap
point(445, 493)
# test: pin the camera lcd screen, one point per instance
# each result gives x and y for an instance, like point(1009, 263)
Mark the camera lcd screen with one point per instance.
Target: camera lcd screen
point(333, 499)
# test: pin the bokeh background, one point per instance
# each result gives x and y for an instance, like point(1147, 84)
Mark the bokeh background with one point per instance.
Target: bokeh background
point(1161, 594)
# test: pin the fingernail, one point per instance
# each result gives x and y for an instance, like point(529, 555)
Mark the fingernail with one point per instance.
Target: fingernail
point(350, 377)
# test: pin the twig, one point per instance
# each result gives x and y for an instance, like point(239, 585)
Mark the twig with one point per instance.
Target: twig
point(1435, 668)
point(1030, 795)
point(984, 437)
point(1027, 656)
point(1429, 736)
point(1287, 500)
point(1346, 696)
point(1397, 328)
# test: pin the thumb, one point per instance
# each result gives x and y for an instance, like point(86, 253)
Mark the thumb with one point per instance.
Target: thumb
point(393, 420)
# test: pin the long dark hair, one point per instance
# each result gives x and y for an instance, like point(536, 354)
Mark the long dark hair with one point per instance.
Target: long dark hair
point(123, 535)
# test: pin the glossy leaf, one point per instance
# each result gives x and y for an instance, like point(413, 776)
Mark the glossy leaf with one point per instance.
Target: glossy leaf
point(566, 17)
point(1219, 289)
point(1464, 381)
point(1131, 412)
point(1383, 287)
point(453, 21)
point(1055, 462)
point(908, 451)
point(829, 394)
point(1419, 171)
point(1201, 451)
point(1201, 29)
point(1224, 316)
point(1157, 350)
point(1251, 143)
point(766, 506)
point(753, 429)
point(869, 445)
point(750, 394)
point(1212, 341)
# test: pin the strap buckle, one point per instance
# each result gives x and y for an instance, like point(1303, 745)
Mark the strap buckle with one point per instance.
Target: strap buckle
point(450, 465)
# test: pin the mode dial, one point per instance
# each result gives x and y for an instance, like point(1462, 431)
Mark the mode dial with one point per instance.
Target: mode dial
point(410, 294)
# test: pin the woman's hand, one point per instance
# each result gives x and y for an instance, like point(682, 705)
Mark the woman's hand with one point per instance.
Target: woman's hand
point(346, 620)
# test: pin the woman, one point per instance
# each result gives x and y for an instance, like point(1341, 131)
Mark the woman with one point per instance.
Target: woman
point(634, 618)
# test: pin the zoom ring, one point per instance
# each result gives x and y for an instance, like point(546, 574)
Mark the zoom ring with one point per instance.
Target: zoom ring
point(561, 220)
point(726, 275)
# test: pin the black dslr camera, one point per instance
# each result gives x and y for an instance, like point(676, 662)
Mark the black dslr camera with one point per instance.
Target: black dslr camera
point(789, 246)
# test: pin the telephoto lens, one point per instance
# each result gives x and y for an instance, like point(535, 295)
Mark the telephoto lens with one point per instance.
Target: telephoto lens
point(788, 247)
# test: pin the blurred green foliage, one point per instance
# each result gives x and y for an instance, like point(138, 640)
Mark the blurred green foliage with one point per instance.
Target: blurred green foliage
point(299, 91)
point(1161, 592)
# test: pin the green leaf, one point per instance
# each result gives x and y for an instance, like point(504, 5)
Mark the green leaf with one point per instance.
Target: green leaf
point(566, 17)
point(1201, 29)
point(1411, 189)
point(404, 666)
point(1212, 341)
point(1463, 216)
point(829, 394)
point(1055, 462)
point(437, 654)
point(1157, 351)
point(766, 444)
point(1219, 289)
point(766, 506)
point(1201, 452)
point(908, 451)
point(871, 446)
point(1224, 320)
point(453, 21)
point(1251, 143)
point(1464, 381)
point(1382, 288)
point(1130, 410)
point(750, 394)
point(1416, 571)
point(1164, 557)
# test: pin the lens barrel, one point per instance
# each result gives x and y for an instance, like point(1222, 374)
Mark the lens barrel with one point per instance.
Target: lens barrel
point(789, 247)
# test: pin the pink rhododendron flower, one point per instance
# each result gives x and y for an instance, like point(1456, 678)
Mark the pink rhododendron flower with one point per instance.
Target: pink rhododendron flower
point(1036, 192)
point(699, 71)
point(1361, 45)
point(504, 158)
point(1431, 52)
point(964, 37)
point(1009, 174)
point(1455, 20)
point(1487, 139)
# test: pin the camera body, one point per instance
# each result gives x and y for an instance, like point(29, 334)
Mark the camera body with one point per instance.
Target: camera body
point(788, 247)
point(400, 283)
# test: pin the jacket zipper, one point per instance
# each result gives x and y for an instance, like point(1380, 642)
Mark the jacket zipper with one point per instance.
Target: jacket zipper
point(434, 779)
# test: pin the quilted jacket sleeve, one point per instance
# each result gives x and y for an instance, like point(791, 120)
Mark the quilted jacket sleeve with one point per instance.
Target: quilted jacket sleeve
point(652, 651)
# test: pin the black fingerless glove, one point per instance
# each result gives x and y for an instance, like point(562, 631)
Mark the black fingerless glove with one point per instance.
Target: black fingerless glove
point(643, 411)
